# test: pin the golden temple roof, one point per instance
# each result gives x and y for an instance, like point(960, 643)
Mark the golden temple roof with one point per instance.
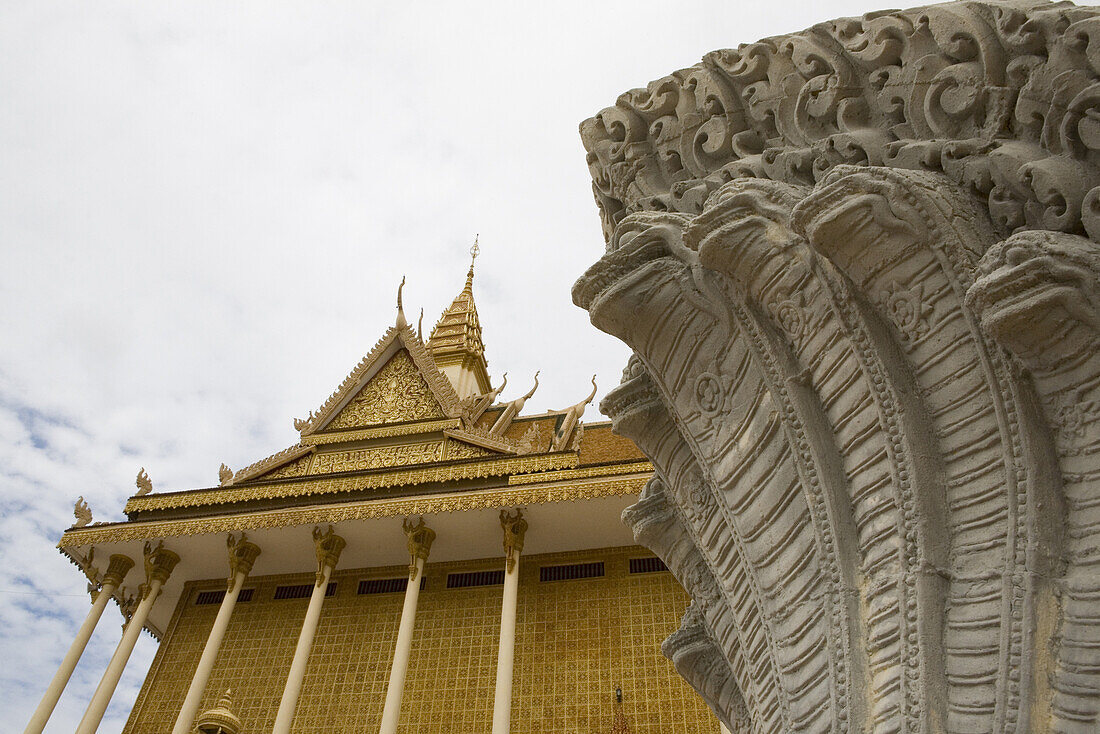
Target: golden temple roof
point(412, 415)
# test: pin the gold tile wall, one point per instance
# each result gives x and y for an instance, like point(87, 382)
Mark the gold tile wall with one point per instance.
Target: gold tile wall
point(575, 642)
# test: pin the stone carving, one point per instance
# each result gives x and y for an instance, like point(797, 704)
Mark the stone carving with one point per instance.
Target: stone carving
point(512, 409)
point(159, 563)
point(570, 421)
point(225, 475)
point(533, 440)
point(329, 546)
point(242, 555)
point(857, 267)
point(515, 528)
point(419, 538)
point(143, 482)
point(82, 512)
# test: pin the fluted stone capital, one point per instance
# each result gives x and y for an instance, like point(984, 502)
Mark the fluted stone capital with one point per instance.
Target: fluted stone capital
point(515, 527)
point(420, 538)
point(242, 554)
point(159, 562)
point(329, 545)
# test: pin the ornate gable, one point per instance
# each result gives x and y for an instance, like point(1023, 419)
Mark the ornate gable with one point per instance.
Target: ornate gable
point(398, 393)
point(413, 388)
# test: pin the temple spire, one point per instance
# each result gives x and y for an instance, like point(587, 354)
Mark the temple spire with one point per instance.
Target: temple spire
point(474, 252)
point(455, 341)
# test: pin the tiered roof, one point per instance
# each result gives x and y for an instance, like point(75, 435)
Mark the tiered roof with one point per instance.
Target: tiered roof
point(456, 344)
point(403, 417)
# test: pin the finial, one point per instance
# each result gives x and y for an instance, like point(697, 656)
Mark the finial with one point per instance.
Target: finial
point(420, 325)
point(143, 483)
point(401, 323)
point(535, 387)
point(225, 474)
point(82, 513)
point(475, 250)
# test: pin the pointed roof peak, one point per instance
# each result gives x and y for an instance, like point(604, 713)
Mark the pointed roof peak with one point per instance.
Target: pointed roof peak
point(401, 323)
point(455, 341)
point(475, 250)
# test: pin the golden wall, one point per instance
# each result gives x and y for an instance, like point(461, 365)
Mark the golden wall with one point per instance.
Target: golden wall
point(575, 642)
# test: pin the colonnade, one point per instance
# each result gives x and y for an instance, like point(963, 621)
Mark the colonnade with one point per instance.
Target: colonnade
point(159, 563)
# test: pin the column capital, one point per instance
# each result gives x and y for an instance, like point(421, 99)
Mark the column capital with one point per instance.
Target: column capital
point(242, 554)
point(420, 538)
point(159, 562)
point(117, 568)
point(329, 545)
point(514, 529)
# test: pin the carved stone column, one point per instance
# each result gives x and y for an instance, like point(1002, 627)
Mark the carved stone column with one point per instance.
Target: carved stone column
point(514, 527)
point(328, 545)
point(159, 562)
point(117, 569)
point(860, 274)
point(420, 538)
point(242, 555)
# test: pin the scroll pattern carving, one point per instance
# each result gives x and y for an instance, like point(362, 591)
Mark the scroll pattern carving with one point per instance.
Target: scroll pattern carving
point(1000, 98)
point(856, 266)
point(379, 457)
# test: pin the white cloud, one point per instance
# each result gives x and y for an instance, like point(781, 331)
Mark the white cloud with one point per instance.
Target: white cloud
point(205, 209)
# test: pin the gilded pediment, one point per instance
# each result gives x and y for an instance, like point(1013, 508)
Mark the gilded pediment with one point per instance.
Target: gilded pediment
point(368, 458)
point(398, 393)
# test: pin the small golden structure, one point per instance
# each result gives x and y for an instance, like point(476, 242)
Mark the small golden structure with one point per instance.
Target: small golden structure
point(220, 719)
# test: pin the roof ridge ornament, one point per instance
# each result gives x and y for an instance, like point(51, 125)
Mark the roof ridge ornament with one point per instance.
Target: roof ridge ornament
point(512, 409)
point(401, 323)
point(143, 483)
point(572, 420)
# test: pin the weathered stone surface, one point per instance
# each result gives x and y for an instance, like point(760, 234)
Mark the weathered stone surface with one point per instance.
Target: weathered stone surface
point(858, 269)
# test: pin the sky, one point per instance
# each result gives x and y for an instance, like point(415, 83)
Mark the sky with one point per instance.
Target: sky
point(206, 208)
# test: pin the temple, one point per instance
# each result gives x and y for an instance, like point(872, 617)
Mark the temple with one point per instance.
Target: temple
point(425, 558)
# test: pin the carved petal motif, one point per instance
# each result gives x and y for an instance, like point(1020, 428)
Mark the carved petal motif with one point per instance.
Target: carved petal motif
point(885, 521)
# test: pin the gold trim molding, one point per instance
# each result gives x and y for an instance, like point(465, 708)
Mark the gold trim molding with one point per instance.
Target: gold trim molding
point(595, 471)
point(365, 510)
point(278, 490)
point(365, 434)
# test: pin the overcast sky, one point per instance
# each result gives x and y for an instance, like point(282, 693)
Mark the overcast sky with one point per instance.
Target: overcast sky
point(206, 207)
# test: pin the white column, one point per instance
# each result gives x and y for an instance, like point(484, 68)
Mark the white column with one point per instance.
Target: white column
point(420, 542)
point(158, 565)
point(514, 528)
point(116, 572)
point(329, 545)
point(242, 555)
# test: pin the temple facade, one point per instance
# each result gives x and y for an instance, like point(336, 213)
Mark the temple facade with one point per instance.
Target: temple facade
point(426, 558)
